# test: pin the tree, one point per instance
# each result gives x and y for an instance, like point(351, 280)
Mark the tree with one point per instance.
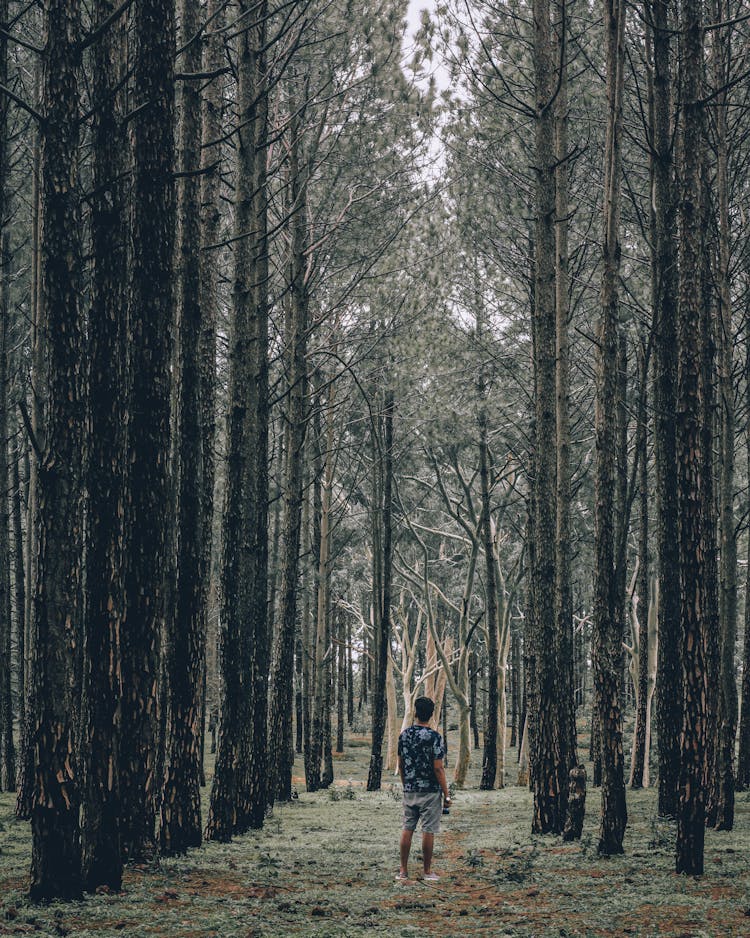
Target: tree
point(607, 624)
point(186, 637)
point(238, 795)
point(664, 298)
point(383, 514)
point(691, 804)
point(723, 770)
point(7, 745)
point(280, 783)
point(107, 475)
point(150, 333)
point(56, 847)
point(549, 773)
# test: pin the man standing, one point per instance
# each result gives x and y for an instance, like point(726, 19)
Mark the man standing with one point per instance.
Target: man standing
point(420, 765)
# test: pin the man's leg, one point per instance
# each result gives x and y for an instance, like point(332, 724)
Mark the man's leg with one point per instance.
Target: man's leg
point(428, 843)
point(406, 837)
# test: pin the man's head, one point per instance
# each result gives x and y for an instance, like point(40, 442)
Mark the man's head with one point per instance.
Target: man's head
point(423, 709)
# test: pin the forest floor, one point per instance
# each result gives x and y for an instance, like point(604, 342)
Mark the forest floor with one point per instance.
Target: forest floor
point(324, 866)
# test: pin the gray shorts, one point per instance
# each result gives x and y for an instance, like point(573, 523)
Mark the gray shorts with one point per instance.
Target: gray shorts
point(427, 805)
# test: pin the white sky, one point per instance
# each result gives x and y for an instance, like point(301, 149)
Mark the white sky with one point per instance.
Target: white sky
point(413, 17)
point(413, 14)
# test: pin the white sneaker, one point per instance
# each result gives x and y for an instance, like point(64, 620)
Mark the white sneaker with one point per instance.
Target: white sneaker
point(431, 878)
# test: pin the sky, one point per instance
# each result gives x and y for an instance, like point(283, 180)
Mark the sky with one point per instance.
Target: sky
point(413, 14)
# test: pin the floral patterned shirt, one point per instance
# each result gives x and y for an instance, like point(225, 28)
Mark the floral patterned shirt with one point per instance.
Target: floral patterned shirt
point(419, 747)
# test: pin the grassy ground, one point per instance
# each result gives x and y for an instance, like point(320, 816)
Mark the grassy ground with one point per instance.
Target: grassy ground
point(324, 864)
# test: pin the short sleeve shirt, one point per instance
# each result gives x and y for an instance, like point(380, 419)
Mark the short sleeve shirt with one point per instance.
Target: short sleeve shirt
point(419, 747)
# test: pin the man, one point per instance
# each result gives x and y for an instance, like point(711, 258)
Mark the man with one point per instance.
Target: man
point(420, 765)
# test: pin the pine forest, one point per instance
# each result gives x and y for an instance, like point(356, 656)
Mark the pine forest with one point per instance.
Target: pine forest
point(353, 353)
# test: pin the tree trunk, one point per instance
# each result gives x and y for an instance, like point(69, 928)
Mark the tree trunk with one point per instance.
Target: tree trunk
point(326, 778)
point(563, 594)
point(151, 323)
point(576, 804)
point(691, 463)
point(238, 797)
point(38, 396)
point(323, 650)
point(384, 624)
point(340, 638)
point(743, 757)
point(7, 743)
point(642, 609)
point(280, 774)
point(56, 849)
point(306, 640)
point(548, 772)
point(664, 295)
point(19, 582)
point(723, 768)
point(186, 638)
point(710, 437)
point(515, 691)
point(622, 514)
point(607, 623)
point(489, 760)
point(349, 675)
point(473, 681)
point(108, 336)
point(210, 195)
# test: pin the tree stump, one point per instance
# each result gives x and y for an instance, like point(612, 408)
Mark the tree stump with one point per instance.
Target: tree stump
point(576, 804)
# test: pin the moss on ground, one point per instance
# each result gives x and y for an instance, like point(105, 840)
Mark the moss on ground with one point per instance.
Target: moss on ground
point(323, 867)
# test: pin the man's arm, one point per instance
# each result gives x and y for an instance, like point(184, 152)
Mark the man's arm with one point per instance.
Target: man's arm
point(437, 766)
point(401, 768)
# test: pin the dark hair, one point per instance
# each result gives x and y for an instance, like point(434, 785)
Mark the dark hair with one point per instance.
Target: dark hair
point(424, 708)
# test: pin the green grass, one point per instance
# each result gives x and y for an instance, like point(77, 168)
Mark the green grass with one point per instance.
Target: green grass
point(323, 867)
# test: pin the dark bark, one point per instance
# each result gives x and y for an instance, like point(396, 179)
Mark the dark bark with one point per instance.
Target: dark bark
point(19, 577)
point(299, 708)
point(185, 649)
point(723, 774)
point(7, 742)
point(664, 294)
point(327, 774)
point(515, 690)
point(548, 772)
point(316, 621)
point(238, 797)
point(563, 589)
point(383, 624)
point(743, 757)
point(607, 621)
point(349, 674)
point(622, 513)
point(340, 639)
point(38, 396)
point(639, 741)
point(473, 682)
point(147, 512)
point(56, 849)
point(489, 760)
point(595, 749)
point(295, 426)
point(211, 162)
point(576, 804)
point(108, 334)
point(254, 59)
point(691, 461)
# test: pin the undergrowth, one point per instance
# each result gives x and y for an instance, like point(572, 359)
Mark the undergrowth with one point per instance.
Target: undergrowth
point(323, 867)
